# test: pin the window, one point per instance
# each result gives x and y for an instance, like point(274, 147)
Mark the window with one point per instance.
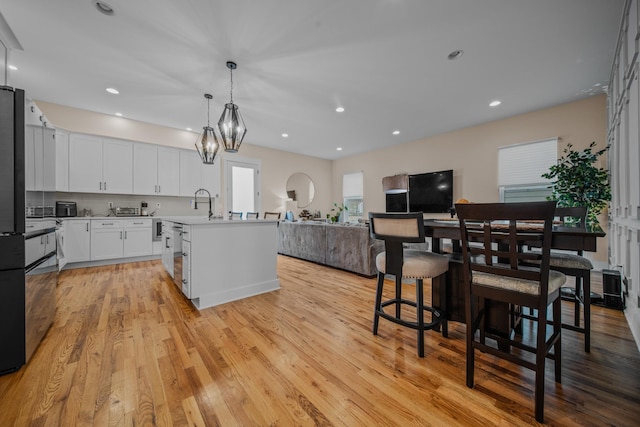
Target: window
point(352, 190)
point(520, 169)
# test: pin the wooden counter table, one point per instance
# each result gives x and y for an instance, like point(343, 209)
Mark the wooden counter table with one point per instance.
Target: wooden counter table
point(564, 237)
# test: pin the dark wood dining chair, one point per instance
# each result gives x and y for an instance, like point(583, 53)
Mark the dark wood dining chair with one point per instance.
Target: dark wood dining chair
point(396, 229)
point(494, 240)
point(235, 215)
point(576, 265)
point(272, 215)
point(252, 215)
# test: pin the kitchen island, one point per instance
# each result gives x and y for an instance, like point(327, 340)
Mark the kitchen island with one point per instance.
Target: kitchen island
point(217, 261)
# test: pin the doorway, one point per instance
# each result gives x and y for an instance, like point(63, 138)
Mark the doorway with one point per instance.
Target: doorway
point(242, 178)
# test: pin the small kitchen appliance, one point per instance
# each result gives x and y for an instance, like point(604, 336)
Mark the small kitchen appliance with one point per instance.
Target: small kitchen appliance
point(66, 209)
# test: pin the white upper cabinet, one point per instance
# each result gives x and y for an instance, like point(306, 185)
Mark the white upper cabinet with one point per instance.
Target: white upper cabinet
point(117, 166)
point(49, 167)
point(156, 170)
point(85, 164)
point(100, 165)
point(168, 171)
point(145, 169)
point(62, 160)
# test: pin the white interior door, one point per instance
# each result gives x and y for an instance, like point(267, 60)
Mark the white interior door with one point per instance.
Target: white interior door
point(242, 179)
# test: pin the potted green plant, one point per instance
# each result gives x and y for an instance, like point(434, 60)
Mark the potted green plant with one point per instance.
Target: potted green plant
point(578, 182)
point(336, 211)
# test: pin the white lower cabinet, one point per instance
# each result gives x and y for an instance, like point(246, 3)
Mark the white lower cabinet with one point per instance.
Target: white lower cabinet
point(120, 238)
point(137, 238)
point(77, 240)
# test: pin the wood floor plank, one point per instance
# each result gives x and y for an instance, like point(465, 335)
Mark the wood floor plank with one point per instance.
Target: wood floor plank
point(126, 348)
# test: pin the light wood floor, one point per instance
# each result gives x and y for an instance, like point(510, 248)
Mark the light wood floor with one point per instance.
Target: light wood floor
point(127, 349)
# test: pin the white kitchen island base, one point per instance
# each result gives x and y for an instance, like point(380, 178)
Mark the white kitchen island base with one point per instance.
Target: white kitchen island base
point(224, 260)
point(217, 298)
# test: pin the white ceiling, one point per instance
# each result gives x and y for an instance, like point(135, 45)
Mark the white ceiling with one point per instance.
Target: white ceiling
point(384, 61)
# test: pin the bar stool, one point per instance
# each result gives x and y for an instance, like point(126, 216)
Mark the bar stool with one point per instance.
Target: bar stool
point(396, 229)
point(578, 267)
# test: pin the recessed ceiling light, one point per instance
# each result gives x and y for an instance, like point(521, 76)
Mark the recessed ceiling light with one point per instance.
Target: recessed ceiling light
point(339, 148)
point(340, 110)
point(285, 135)
point(119, 114)
point(189, 129)
point(103, 7)
point(396, 132)
point(112, 90)
point(455, 54)
point(13, 67)
point(494, 103)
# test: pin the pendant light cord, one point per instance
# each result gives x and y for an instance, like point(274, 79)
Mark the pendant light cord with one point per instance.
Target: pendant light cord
point(231, 71)
point(208, 114)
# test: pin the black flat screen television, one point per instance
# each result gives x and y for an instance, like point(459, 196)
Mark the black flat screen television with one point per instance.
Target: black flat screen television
point(428, 192)
point(431, 192)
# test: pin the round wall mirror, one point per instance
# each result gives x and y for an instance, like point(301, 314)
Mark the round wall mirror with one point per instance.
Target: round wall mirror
point(300, 189)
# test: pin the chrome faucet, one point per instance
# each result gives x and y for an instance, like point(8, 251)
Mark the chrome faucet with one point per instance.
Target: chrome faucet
point(195, 200)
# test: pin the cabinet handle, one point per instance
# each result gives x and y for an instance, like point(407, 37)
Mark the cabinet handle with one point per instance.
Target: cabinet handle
point(121, 235)
point(47, 239)
point(105, 186)
point(107, 223)
point(140, 223)
point(100, 185)
point(159, 189)
point(87, 226)
point(184, 281)
point(166, 243)
point(156, 188)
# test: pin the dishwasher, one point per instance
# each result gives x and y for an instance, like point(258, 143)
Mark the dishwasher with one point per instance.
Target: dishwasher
point(177, 255)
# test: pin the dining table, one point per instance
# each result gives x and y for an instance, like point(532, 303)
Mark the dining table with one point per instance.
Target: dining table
point(564, 237)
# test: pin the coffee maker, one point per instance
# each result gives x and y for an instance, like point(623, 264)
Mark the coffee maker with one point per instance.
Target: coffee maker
point(144, 209)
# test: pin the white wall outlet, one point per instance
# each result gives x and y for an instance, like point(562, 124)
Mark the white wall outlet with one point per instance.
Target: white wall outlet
point(158, 205)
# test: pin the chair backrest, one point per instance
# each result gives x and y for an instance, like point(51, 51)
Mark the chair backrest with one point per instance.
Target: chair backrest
point(578, 213)
point(493, 238)
point(252, 215)
point(396, 229)
point(272, 215)
point(235, 215)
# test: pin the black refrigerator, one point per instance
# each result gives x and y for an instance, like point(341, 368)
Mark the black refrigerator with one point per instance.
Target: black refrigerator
point(28, 259)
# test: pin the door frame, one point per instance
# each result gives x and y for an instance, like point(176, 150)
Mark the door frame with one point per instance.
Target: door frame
point(242, 161)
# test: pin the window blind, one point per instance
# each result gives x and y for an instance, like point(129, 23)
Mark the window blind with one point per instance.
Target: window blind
point(352, 185)
point(524, 164)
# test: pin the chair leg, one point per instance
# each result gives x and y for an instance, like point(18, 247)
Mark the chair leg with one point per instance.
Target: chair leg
point(470, 338)
point(420, 316)
point(576, 300)
point(442, 283)
point(398, 295)
point(586, 281)
point(376, 316)
point(540, 364)
point(557, 347)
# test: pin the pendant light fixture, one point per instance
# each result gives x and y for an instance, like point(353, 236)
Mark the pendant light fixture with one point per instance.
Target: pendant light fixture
point(207, 143)
point(231, 126)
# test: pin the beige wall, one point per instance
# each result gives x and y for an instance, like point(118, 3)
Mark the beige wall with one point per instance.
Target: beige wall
point(472, 152)
point(277, 165)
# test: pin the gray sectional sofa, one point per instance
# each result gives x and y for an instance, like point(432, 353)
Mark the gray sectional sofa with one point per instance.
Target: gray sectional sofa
point(345, 246)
